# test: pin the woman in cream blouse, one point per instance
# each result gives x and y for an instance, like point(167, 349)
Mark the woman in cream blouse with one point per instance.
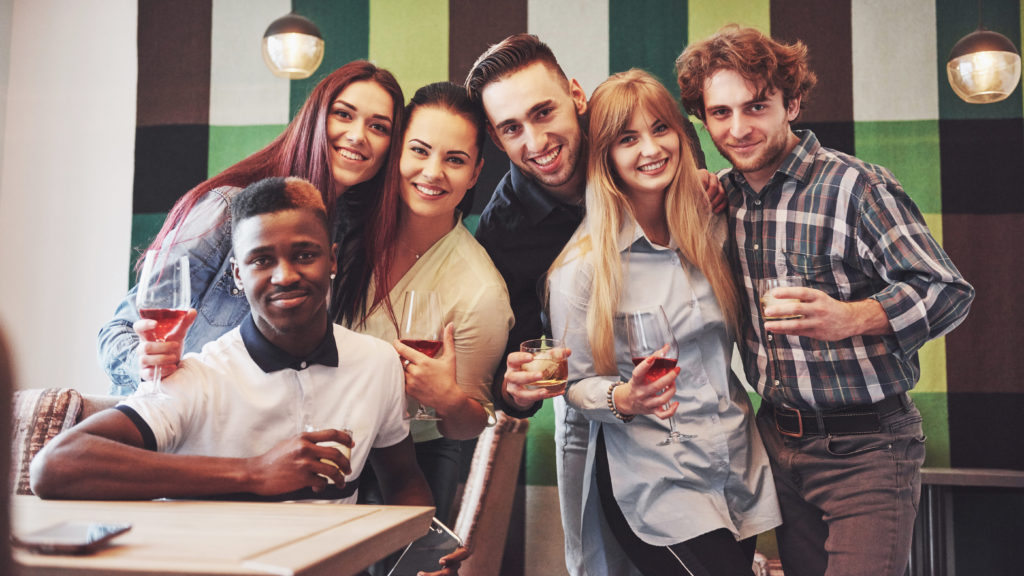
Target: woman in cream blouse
point(417, 242)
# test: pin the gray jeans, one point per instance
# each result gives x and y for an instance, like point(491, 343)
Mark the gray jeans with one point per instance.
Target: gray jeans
point(848, 502)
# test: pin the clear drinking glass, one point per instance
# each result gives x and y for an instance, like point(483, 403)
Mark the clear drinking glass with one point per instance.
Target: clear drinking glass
point(767, 286)
point(163, 293)
point(421, 329)
point(550, 360)
point(649, 334)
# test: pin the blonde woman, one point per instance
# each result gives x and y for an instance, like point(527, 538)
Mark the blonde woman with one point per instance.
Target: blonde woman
point(650, 239)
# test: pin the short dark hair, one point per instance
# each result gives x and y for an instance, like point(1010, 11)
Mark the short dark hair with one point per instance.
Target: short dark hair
point(510, 55)
point(766, 63)
point(277, 194)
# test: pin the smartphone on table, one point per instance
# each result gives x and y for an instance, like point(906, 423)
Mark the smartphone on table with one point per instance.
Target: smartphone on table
point(71, 537)
point(424, 554)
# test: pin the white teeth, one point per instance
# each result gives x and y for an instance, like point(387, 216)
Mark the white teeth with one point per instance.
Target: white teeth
point(652, 167)
point(351, 155)
point(548, 158)
point(429, 191)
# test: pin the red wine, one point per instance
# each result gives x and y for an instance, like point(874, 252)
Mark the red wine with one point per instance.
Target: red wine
point(659, 368)
point(166, 320)
point(428, 347)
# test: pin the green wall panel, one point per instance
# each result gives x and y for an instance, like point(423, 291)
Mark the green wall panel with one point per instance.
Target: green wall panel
point(540, 448)
point(647, 34)
point(935, 413)
point(911, 150)
point(410, 38)
point(229, 144)
point(344, 25)
point(708, 17)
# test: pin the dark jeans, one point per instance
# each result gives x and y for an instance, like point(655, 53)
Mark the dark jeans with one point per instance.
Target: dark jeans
point(848, 502)
point(439, 460)
point(716, 553)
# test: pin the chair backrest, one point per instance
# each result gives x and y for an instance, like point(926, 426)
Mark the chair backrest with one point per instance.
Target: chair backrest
point(486, 505)
point(38, 416)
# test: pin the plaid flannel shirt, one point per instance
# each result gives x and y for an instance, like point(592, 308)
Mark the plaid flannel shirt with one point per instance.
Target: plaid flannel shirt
point(851, 231)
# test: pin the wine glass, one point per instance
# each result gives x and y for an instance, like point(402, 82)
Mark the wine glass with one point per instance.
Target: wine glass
point(648, 333)
point(421, 330)
point(163, 294)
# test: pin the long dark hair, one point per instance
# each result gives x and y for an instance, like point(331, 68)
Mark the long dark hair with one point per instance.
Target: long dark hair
point(302, 150)
point(381, 229)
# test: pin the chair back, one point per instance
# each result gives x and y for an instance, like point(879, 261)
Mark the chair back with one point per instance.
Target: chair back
point(38, 416)
point(486, 505)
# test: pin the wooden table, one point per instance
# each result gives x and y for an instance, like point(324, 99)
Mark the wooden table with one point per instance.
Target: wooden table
point(200, 537)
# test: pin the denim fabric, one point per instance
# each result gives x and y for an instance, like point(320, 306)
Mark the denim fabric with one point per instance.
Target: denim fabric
point(572, 432)
point(848, 502)
point(205, 237)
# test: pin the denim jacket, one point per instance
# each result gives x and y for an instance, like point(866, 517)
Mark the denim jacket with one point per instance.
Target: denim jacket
point(205, 236)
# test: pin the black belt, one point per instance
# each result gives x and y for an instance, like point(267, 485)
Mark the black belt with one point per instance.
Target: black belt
point(852, 420)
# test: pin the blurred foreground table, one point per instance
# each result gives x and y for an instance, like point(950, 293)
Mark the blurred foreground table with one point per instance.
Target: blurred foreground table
point(202, 537)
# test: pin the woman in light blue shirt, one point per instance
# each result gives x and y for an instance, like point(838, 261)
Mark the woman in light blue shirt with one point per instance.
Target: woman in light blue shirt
point(650, 239)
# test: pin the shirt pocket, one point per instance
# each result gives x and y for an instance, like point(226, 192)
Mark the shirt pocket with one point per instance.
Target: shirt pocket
point(825, 272)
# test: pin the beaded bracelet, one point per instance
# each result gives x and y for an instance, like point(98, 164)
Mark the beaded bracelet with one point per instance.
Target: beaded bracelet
point(611, 404)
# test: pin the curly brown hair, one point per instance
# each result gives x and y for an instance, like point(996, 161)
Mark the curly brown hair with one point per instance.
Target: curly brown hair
point(766, 63)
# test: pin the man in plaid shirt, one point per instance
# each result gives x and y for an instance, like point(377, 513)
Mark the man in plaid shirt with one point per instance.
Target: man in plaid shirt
point(844, 439)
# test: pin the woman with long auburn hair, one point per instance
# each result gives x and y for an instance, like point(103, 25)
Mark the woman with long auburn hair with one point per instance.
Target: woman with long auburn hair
point(650, 239)
point(339, 141)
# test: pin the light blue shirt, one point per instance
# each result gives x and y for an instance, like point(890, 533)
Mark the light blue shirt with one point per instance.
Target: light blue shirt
point(668, 494)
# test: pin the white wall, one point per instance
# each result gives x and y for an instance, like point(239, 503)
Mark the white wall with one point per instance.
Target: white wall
point(66, 184)
point(6, 7)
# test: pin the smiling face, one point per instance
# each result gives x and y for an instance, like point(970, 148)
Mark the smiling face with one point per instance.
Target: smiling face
point(359, 131)
point(439, 162)
point(534, 118)
point(283, 262)
point(752, 133)
point(646, 155)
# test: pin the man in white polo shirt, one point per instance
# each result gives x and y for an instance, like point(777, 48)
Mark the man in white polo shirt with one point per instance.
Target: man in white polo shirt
point(249, 415)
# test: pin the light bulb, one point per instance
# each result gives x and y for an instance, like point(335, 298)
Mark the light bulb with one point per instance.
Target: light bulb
point(293, 47)
point(983, 67)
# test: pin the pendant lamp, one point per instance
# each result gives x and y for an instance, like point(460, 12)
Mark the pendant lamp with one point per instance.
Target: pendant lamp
point(293, 47)
point(984, 66)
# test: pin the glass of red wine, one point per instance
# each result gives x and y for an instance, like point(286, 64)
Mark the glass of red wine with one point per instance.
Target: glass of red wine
point(163, 293)
point(649, 335)
point(421, 329)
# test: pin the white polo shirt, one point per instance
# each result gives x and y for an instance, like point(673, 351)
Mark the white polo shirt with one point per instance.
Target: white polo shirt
point(242, 395)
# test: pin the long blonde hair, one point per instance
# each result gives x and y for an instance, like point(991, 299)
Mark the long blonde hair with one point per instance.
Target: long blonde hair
point(687, 210)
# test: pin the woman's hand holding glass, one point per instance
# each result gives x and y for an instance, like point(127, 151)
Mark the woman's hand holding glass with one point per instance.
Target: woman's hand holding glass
point(431, 380)
point(643, 396)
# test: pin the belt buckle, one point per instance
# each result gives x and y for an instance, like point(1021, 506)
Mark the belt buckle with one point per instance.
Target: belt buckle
point(799, 420)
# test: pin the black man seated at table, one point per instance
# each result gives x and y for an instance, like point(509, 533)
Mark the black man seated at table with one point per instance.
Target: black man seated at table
point(249, 415)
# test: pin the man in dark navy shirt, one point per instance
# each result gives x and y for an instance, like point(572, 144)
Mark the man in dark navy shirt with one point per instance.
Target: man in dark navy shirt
point(536, 115)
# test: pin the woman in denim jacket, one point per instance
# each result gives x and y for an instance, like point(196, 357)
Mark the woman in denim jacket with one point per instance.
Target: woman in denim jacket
point(338, 141)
